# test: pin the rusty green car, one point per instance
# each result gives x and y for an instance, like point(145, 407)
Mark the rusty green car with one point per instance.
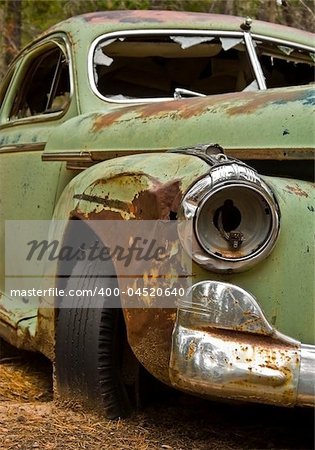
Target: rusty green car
point(200, 121)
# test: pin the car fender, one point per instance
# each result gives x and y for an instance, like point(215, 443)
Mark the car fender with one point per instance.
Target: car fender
point(141, 187)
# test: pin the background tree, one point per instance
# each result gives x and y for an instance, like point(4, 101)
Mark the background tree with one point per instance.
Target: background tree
point(12, 29)
point(22, 20)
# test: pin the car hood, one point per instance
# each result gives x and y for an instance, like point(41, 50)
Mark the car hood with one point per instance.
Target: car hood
point(273, 124)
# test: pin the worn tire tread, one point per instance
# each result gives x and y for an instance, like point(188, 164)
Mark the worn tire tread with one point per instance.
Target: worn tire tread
point(88, 347)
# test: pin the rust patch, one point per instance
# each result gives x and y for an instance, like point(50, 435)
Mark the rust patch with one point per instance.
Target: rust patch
point(296, 190)
point(231, 103)
point(158, 202)
point(191, 350)
point(150, 336)
point(174, 109)
point(262, 99)
point(93, 216)
point(106, 201)
point(158, 17)
point(106, 120)
point(120, 177)
point(149, 329)
point(254, 339)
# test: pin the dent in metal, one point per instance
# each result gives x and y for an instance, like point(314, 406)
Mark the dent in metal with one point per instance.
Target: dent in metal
point(224, 306)
point(148, 191)
point(18, 325)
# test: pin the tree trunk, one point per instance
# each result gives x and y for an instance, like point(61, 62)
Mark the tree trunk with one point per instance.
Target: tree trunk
point(12, 29)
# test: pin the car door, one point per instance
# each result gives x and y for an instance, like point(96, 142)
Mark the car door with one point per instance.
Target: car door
point(37, 96)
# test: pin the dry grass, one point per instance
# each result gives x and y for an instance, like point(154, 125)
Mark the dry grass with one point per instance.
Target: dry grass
point(25, 380)
point(48, 427)
point(29, 419)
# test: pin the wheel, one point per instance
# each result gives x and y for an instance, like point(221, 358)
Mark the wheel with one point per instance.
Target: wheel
point(92, 353)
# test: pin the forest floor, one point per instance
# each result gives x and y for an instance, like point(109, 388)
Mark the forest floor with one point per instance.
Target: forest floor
point(30, 419)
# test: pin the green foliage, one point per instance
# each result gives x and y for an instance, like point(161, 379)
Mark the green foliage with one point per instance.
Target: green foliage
point(38, 15)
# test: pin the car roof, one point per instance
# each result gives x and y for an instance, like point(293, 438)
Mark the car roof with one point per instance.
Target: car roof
point(90, 25)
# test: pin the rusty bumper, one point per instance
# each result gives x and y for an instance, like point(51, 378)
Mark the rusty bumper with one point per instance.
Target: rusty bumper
point(223, 346)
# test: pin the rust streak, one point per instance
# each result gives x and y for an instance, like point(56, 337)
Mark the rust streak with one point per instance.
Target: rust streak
point(258, 101)
point(296, 190)
point(115, 204)
point(244, 103)
point(155, 17)
point(158, 202)
point(270, 342)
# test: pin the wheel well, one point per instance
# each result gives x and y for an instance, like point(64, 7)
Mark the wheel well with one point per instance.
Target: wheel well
point(65, 268)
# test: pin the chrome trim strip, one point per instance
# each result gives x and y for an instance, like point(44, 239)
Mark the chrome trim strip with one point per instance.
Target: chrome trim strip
point(306, 386)
point(97, 155)
point(223, 346)
point(146, 32)
point(239, 153)
point(254, 61)
point(32, 147)
point(282, 42)
point(68, 156)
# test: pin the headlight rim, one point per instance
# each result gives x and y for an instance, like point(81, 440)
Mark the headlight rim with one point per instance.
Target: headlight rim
point(200, 192)
point(268, 197)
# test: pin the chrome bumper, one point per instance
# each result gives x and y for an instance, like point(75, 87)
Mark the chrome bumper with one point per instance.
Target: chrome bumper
point(223, 346)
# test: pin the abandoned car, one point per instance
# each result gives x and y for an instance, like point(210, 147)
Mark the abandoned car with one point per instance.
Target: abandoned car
point(200, 121)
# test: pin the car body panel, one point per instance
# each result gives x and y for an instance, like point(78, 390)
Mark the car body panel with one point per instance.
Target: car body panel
point(169, 125)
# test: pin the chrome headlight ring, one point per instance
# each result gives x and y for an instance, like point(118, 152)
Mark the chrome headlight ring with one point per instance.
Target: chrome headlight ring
point(234, 217)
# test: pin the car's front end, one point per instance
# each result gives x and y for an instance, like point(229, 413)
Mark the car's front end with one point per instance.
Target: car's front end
point(245, 329)
point(250, 234)
point(223, 344)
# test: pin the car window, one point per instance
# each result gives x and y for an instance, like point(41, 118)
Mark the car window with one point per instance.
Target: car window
point(285, 66)
point(157, 66)
point(45, 87)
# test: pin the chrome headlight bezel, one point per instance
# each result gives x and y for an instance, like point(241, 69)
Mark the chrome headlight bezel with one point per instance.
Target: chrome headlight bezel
point(222, 179)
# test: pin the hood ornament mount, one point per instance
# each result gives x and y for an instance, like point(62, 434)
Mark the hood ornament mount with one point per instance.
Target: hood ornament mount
point(212, 154)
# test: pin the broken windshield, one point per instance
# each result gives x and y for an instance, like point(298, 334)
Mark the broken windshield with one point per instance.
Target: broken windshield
point(285, 66)
point(153, 66)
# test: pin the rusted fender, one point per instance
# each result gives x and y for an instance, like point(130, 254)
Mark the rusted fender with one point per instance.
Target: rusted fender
point(147, 186)
point(245, 121)
point(143, 187)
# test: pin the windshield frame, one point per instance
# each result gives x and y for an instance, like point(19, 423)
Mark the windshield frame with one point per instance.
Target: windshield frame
point(162, 32)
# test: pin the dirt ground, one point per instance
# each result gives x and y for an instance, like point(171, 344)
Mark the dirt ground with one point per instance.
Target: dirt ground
point(30, 419)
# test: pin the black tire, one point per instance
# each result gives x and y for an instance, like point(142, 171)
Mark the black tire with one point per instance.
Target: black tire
point(91, 347)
